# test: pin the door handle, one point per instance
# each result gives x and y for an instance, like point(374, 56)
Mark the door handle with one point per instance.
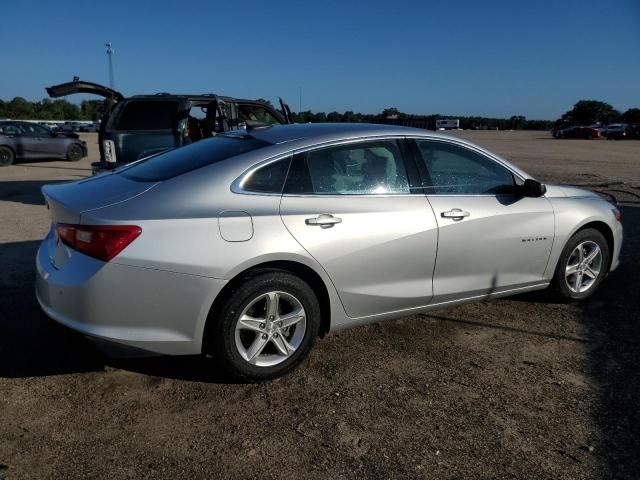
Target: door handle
point(455, 214)
point(324, 220)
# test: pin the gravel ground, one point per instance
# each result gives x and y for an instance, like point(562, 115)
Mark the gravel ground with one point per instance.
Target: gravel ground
point(512, 388)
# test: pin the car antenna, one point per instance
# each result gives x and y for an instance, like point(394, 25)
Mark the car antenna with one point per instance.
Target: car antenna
point(256, 125)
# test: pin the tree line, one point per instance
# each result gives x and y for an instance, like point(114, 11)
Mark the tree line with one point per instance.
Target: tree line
point(47, 109)
point(584, 112)
point(595, 112)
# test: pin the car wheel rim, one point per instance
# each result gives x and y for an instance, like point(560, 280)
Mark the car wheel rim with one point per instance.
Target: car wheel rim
point(583, 267)
point(270, 329)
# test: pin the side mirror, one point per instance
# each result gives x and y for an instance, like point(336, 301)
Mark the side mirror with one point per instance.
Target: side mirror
point(532, 188)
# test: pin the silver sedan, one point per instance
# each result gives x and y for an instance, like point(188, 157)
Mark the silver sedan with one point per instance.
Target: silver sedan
point(250, 245)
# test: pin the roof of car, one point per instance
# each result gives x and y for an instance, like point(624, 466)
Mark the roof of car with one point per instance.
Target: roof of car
point(187, 96)
point(328, 131)
point(303, 135)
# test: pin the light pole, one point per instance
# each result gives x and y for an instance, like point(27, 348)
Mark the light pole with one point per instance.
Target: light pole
point(109, 53)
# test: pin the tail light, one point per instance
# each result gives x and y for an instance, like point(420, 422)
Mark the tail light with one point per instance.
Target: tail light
point(99, 241)
point(109, 149)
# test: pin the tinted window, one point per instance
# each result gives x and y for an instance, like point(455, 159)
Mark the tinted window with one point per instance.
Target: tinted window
point(36, 131)
point(457, 170)
point(268, 179)
point(182, 160)
point(148, 115)
point(359, 168)
point(9, 129)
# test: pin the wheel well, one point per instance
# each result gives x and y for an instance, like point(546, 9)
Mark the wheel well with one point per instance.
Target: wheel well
point(605, 230)
point(302, 271)
point(10, 148)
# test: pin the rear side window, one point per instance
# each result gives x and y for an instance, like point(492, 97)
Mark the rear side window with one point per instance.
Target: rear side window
point(185, 159)
point(362, 168)
point(148, 115)
point(268, 179)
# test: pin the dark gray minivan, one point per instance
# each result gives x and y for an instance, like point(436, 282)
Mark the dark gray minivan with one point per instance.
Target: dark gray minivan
point(142, 125)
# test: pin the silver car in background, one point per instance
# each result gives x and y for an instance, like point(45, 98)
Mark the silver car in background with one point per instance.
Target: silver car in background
point(251, 244)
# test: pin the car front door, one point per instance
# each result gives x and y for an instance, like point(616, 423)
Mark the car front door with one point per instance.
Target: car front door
point(43, 143)
point(350, 206)
point(490, 239)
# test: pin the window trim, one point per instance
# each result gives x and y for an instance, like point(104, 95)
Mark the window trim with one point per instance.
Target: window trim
point(408, 154)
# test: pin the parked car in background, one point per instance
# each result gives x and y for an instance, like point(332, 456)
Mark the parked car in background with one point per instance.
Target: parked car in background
point(578, 132)
point(142, 125)
point(623, 131)
point(250, 244)
point(89, 127)
point(31, 141)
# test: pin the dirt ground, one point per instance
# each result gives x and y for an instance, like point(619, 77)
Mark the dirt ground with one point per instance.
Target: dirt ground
point(513, 388)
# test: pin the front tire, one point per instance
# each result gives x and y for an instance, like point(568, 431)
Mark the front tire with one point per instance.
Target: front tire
point(582, 266)
point(6, 156)
point(267, 327)
point(74, 153)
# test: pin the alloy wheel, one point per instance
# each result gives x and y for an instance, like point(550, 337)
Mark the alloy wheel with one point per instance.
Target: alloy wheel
point(583, 267)
point(270, 329)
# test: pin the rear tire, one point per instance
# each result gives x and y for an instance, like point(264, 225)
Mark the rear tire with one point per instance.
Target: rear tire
point(266, 328)
point(582, 266)
point(74, 153)
point(6, 156)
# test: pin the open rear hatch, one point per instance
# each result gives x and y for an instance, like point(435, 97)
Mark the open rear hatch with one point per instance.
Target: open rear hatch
point(78, 86)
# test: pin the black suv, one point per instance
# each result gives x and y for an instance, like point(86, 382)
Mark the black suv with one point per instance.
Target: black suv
point(143, 125)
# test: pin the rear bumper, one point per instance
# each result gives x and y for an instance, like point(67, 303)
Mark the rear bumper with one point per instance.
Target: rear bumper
point(144, 309)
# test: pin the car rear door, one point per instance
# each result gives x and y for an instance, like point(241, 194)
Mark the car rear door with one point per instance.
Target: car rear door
point(489, 238)
point(351, 207)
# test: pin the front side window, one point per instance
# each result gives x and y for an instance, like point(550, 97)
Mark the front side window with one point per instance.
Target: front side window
point(362, 168)
point(455, 170)
point(37, 131)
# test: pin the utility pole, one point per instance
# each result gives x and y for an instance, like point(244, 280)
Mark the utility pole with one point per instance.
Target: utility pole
point(300, 103)
point(109, 53)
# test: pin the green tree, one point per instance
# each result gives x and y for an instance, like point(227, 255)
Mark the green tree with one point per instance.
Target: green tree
point(630, 116)
point(92, 109)
point(20, 108)
point(391, 112)
point(588, 112)
point(518, 122)
point(334, 117)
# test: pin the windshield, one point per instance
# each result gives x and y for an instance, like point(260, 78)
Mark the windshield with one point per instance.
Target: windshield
point(191, 157)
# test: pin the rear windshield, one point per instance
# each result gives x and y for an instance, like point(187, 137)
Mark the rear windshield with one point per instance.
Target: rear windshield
point(148, 115)
point(185, 159)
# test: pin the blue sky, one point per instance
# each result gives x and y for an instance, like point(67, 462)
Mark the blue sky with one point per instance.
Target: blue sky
point(463, 57)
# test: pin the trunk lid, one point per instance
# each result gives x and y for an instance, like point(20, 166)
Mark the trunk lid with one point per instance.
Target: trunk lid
point(67, 202)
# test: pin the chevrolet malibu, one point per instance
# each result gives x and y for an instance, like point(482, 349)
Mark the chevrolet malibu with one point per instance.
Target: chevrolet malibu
point(249, 245)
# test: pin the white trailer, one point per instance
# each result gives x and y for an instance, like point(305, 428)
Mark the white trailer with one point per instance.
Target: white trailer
point(448, 124)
